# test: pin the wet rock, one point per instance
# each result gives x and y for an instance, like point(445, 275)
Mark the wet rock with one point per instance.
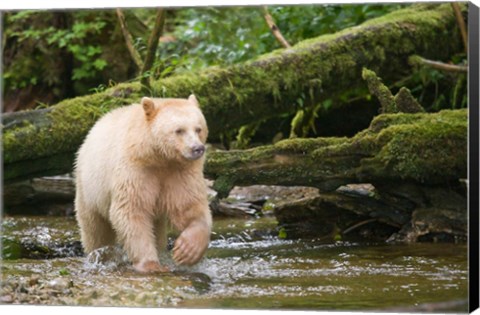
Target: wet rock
point(199, 281)
point(11, 249)
point(143, 297)
point(34, 280)
point(363, 190)
point(59, 284)
point(40, 238)
point(234, 209)
point(261, 193)
point(6, 299)
point(250, 201)
point(434, 225)
point(114, 295)
point(44, 296)
point(31, 249)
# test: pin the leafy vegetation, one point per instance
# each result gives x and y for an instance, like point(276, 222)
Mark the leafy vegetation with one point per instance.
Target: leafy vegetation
point(52, 55)
point(86, 54)
point(224, 36)
point(437, 89)
point(65, 54)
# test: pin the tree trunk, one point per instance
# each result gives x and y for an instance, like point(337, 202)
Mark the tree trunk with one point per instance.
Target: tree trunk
point(242, 94)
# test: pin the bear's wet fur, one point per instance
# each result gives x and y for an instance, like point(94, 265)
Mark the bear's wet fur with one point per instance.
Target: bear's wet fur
point(139, 170)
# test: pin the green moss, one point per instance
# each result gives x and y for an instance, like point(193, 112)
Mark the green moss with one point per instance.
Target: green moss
point(11, 249)
point(55, 133)
point(296, 125)
point(381, 91)
point(306, 145)
point(406, 103)
point(223, 185)
point(245, 134)
point(420, 147)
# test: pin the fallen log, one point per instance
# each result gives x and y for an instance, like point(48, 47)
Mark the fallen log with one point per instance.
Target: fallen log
point(245, 93)
point(429, 149)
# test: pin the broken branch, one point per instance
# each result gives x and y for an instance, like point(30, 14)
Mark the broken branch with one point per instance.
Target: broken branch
point(417, 60)
point(274, 28)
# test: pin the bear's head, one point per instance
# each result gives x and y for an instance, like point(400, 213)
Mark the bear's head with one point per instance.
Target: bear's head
point(178, 127)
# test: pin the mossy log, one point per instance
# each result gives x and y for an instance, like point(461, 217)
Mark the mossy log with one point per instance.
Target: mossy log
point(43, 142)
point(430, 149)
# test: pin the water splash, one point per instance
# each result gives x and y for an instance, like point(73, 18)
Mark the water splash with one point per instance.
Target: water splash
point(108, 258)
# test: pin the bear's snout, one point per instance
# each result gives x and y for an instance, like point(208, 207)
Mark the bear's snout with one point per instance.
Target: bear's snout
point(198, 150)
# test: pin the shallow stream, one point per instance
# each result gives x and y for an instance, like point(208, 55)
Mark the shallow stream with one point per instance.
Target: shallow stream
point(246, 267)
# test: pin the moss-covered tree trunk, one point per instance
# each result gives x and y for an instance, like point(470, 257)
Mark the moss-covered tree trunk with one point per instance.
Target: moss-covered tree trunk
point(428, 149)
point(43, 142)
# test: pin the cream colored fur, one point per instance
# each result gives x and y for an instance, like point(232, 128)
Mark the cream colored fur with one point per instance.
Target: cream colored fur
point(135, 171)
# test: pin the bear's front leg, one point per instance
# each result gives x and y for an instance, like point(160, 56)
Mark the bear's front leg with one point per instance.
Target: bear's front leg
point(135, 231)
point(192, 243)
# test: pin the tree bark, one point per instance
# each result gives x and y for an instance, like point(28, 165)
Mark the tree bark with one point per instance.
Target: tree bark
point(241, 94)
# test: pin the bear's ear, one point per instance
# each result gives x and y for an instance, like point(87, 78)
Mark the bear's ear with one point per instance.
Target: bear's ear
point(192, 99)
point(148, 107)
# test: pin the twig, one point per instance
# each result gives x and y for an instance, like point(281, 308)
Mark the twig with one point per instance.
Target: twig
point(129, 40)
point(274, 28)
point(152, 45)
point(437, 65)
point(353, 227)
point(461, 24)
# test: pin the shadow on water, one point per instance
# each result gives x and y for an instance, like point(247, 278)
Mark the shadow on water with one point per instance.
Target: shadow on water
point(246, 266)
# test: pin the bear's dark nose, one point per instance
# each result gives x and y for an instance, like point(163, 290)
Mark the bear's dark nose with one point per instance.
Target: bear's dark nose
point(198, 150)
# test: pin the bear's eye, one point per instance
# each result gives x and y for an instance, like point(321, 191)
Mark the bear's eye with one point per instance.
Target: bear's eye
point(198, 130)
point(180, 131)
